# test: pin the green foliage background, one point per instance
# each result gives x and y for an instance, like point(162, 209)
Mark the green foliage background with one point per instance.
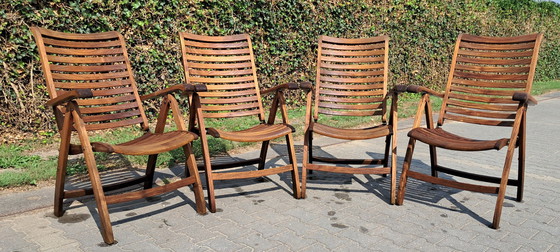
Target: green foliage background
point(284, 34)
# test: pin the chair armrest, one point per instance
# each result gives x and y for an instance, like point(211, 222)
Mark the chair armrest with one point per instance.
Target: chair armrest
point(524, 97)
point(185, 88)
point(291, 86)
point(397, 89)
point(425, 90)
point(70, 95)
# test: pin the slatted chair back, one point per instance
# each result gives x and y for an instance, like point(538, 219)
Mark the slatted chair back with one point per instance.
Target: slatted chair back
point(225, 64)
point(352, 77)
point(485, 73)
point(92, 61)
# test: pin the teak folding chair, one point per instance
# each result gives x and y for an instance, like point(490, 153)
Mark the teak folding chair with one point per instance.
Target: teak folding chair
point(489, 84)
point(90, 83)
point(352, 81)
point(225, 64)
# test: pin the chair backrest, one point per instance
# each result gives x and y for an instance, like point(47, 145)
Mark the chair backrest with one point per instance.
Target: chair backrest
point(352, 76)
point(485, 72)
point(225, 64)
point(96, 61)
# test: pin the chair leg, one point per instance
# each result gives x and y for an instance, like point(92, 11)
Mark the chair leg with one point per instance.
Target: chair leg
point(393, 168)
point(61, 175)
point(102, 208)
point(387, 150)
point(192, 170)
point(209, 175)
point(293, 162)
point(310, 149)
point(305, 160)
point(406, 167)
point(262, 156)
point(433, 161)
point(503, 186)
point(521, 161)
point(150, 170)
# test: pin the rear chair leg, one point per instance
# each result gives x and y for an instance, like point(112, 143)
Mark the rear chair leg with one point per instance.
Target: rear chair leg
point(150, 170)
point(192, 170)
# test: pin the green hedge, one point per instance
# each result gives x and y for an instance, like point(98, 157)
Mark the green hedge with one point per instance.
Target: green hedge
point(284, 35)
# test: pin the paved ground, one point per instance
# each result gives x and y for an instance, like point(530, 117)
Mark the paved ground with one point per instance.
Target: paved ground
point(347, 213)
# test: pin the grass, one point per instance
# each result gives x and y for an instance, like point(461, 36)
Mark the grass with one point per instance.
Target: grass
point(19, 166)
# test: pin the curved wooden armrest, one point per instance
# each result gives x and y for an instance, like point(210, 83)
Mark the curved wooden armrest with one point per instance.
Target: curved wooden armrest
point(524, 98)
point(291, 86)
point(185, 88)
point(399, 89)
point(425, 90)
point(70, 95)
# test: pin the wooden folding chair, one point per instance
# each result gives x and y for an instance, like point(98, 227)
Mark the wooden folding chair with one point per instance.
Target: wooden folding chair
point(352, 81)
point(225, 64)
point(489, 84)
point(90, 83)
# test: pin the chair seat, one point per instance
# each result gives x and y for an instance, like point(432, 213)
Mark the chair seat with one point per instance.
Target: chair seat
point(259, 133)
point(441, 138)
point(148, 144)
point(352, 134)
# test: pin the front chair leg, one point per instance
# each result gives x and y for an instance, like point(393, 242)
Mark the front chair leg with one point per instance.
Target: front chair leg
point(293, 162)
point(192, 170)
point(262, 157)
point(406, 167)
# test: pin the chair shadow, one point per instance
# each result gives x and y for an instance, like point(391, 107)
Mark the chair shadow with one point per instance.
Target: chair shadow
point(378, 185)
point(126, 173)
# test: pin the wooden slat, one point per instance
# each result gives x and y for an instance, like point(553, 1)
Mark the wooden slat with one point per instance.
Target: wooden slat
point(85, 68)
point(212, 66)
point(352, 80)
point(104, 109)
point(492, 84)
point(98, 76)
point(351, 60)
point(368, 53)
point(194, 79)
point(81, 44)
point(495, 54)
point(454, 184)
point(349, 170)
point(190, 43)
point(351, 93)
point(218, 51)
point(353, 47)
point(484, 91)
point(231, 114)
point(491, 76)
point(114, 124)
point(351, 73)
point(85, 60)
point(349, 113)
point(227, 94)
point(466, 119)
point(91, 85)
point(350, 99)
point(509, 62)
point(112, 116)
point(218, 58)
point(107, 92)
point(492, 69)
point(228, 101)
point(250, 174)
point(194, 72)
point(90, 102)
point(231, 86)
point(83, 52)
point(495, 107)
point(485, 46)
point(230, 107)
point(351, 66)
point(351, 87)
point(479, 113)
point(499, 40)
point(478, 98)
point(349, 106)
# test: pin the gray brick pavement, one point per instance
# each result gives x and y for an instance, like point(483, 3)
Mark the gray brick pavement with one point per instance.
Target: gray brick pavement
point(342, 212)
